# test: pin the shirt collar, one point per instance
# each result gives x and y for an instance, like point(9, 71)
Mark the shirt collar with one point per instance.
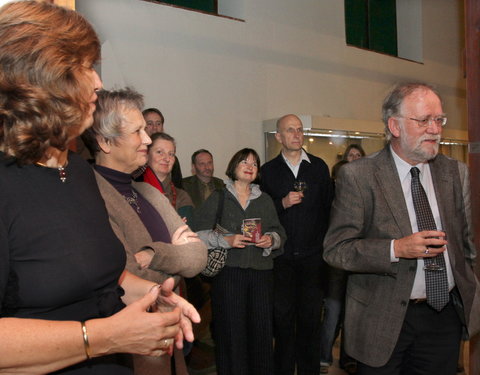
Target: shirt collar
point(303, 157)
point(403, 168)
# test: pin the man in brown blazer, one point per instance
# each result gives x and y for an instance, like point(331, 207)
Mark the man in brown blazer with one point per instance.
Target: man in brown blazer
point(390, 327)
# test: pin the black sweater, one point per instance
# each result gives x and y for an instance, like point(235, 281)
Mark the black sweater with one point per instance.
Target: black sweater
point(305, 223)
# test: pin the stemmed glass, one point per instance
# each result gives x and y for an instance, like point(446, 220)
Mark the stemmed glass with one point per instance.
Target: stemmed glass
point(434, 266)
point(299, 186)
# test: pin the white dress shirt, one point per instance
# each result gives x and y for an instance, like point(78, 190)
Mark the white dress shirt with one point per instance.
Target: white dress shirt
point(295, 168)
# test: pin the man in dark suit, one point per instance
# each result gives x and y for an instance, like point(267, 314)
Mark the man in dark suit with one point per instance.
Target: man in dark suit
point(300, 271)
point(394, 323)
point(202, 183)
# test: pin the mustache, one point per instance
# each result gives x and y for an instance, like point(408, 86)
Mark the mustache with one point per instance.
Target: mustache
point(435, 138)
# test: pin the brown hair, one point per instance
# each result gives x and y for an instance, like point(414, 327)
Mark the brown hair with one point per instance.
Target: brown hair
point(355, 146)
point(154, 110)
point(163, 136)
point(240, 156)
point(45, 51)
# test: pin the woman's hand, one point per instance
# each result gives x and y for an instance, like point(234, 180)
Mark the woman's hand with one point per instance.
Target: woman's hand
point(144, 258)
point(265, 241)
point(134, 330)
point(184, 235)
point(238, 240)
point(167, 299)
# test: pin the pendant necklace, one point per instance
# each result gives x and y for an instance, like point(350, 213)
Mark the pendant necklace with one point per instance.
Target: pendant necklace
point(133, 201)
point(62, 173)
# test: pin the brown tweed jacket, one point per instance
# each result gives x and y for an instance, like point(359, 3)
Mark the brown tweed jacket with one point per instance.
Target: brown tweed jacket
point(169, 260)
point(185, 260)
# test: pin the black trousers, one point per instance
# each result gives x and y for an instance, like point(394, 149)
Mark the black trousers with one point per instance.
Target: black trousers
point(298, 298)
point(428, 344)
point(242, 312)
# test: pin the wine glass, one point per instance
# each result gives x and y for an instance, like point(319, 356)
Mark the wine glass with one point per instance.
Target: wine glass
point(158, 306)
point(299, 186)
point(434, 266)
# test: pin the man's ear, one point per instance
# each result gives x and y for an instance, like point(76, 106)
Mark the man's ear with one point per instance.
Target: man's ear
point(104, 144)
point(394, 126)
point(278, 138)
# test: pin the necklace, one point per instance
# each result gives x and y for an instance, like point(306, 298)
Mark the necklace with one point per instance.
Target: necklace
point(62, 173)
point(133, 201)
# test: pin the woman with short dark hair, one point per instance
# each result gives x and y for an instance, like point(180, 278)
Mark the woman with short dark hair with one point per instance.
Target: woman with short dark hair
point(242, 292)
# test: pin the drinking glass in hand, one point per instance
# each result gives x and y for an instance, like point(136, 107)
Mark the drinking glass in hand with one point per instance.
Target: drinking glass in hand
point(299, 186)
point(434, 266)
point(167, 344)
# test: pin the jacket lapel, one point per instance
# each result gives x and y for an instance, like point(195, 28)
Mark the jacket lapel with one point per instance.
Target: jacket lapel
point(443, 184)
point(390, 185)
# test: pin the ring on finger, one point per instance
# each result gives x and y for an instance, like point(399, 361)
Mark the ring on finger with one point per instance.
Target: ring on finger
point(426, 250)
point(164, 344)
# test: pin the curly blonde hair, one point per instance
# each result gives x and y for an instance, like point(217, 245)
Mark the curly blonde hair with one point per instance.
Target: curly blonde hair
point(45, 52)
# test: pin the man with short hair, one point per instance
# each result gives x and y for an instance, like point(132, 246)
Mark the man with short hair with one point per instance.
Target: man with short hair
point(154, 120)
point(401, 226)
point(298, 273)
point(202, 183)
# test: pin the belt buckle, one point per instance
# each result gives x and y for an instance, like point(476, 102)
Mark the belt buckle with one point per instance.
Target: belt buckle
point(418, 300)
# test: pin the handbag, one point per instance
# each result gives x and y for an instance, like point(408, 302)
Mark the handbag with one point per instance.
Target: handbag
point(217, 257)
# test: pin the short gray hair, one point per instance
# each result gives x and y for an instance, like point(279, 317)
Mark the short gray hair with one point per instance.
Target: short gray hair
point(108, 117)
point(393, 101)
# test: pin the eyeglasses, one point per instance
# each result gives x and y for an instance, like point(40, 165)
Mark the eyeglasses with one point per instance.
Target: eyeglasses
point(440, 121)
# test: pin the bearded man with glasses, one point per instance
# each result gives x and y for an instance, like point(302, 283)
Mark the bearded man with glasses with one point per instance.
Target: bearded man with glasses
point(411, 290)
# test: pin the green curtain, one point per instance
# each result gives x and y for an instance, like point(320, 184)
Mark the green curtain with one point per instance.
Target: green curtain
point(205, 5)
point(372, 24)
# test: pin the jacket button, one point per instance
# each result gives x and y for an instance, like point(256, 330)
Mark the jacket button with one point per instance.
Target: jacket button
point(403, 303)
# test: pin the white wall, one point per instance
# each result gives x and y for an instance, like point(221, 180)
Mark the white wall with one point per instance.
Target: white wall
point(217, 79)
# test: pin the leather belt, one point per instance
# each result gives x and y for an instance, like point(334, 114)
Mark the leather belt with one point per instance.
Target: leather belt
point(418, 300)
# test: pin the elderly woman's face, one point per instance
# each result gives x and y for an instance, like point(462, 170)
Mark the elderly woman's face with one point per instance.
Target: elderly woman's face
point(129, 151)
point(161, 157)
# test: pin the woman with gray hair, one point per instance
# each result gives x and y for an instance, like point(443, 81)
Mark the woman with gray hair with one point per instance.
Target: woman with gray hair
point(157, 242)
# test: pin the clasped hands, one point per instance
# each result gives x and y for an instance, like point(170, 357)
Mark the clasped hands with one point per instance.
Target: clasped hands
point(425, 244)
